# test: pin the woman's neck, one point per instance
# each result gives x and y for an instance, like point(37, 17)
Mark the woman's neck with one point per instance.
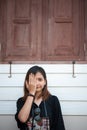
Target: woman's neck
point(38, 100)
point(37, 94)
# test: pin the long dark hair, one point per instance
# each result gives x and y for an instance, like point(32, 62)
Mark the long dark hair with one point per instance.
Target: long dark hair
point(45, 93)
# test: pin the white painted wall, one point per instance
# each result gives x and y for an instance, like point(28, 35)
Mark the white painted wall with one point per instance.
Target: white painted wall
point(72, 92)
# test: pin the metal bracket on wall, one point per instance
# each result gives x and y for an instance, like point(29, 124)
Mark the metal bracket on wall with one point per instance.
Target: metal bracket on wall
point(73, 69)
point(10, 73)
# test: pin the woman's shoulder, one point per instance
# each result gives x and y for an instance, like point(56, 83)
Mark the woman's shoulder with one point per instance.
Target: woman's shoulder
point(20, 100)
point(53, 99)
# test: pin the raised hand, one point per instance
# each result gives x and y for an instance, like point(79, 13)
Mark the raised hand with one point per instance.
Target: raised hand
point(31, 85)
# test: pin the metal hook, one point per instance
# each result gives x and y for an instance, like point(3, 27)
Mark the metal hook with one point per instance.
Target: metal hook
point(73, 67)
point(10, 74)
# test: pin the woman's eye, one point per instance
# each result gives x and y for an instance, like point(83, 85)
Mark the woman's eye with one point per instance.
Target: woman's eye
point(39, 79)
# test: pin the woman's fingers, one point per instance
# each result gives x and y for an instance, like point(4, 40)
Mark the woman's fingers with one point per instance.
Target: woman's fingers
point(32, 79)
point(32, 83)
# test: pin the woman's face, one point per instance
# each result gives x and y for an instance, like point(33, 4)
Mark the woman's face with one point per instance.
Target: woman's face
point(36, 82)
point(40, 82)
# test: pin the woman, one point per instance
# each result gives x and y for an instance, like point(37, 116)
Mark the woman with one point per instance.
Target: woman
point(38, 109)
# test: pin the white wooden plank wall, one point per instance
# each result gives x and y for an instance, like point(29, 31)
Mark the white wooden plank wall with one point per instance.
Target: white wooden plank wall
point(72, 92)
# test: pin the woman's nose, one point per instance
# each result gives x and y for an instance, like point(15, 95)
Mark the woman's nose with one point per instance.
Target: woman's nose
point(36, 81)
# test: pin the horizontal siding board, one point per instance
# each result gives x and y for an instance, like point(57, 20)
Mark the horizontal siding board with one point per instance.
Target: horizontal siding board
point(64, 94)
point(67, 80)
point(49, 68)
point(80, 68)
point(68, 108)
point(10, 93)
point(70, 94)
point(4, 68)
point(7, 107)
point(15, 80)
point(53, 80)
point(74, 108)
